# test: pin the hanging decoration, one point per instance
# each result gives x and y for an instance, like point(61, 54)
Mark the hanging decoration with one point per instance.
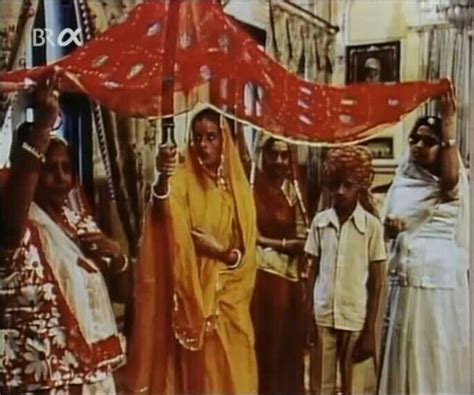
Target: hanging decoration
point(122, 69)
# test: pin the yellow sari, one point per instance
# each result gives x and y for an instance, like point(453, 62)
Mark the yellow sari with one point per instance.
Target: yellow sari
point(192, 327)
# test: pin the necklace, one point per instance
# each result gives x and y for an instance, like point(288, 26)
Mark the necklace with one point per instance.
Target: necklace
point(73, 223)
point(218, 176)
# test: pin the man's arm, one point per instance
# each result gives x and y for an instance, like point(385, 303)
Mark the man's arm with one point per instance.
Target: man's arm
point(310, 270)
point(366, 345)
point(313, 273)
point(374, 289)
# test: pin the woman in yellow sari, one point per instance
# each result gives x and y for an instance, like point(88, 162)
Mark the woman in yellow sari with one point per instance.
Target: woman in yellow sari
point(192, 329)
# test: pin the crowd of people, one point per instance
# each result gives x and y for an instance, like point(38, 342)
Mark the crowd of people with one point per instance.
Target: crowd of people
point(236, 279)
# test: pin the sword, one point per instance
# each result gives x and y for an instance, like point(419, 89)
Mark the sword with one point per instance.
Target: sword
point(167, 133)
point(167, 88)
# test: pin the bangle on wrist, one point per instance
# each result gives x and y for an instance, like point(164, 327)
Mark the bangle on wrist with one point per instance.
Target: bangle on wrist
point(154, 194)
point(161, 197)
point(283, 243)
point(448, 143)
point(33, 151)
point(125, 265)
point(238, 261)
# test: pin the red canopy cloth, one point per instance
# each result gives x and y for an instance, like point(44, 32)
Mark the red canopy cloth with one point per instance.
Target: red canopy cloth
point(122, 69)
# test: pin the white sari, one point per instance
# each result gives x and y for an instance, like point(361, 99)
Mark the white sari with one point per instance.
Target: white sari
point(427, 343)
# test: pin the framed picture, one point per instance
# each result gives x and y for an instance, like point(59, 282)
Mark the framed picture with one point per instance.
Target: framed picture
point(381, 147)
point(372, 63)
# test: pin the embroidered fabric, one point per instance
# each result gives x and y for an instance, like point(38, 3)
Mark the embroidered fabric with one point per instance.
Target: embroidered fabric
point(58, 327)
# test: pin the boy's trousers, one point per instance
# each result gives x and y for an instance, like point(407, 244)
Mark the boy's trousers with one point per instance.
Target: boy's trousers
point(333, 348)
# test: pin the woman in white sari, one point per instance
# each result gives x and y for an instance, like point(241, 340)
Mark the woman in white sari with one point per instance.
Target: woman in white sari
point(426, 348)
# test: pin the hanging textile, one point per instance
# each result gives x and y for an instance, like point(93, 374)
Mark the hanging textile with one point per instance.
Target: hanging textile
point(16, 21)
point(122, 69)
point(305, 45)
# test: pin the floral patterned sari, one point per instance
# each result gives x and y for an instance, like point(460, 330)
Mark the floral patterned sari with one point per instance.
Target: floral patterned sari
point(57, 327)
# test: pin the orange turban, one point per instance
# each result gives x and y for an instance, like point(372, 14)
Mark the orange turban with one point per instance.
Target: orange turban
point(351, 163)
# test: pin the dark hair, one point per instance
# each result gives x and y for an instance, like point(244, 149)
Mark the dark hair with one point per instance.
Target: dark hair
point(22, 134)
point(207, 113)
point(24, 131)
point(271, 141)
point(434, 123)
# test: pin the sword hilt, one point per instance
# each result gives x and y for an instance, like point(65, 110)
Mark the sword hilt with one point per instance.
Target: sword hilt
point(167, 133)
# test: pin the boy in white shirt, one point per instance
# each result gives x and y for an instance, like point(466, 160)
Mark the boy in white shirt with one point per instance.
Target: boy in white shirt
point(347, 246)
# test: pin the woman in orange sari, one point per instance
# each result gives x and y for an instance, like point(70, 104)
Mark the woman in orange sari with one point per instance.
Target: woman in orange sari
point(192, 329)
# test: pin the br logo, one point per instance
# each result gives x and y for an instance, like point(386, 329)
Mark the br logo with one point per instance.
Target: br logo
point(63, 39)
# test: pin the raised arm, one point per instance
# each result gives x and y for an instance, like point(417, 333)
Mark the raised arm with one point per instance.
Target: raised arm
point(366, 344)
point(7, 87)
point(20, 188)
point(449, 152)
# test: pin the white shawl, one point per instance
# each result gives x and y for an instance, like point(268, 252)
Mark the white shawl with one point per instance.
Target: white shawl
point(415, 195)
point(85, 292)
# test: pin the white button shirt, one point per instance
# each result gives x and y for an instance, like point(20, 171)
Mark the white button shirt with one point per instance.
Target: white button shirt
point(340, 293)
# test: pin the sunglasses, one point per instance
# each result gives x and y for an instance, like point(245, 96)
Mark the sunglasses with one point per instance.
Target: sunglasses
point(428, 141)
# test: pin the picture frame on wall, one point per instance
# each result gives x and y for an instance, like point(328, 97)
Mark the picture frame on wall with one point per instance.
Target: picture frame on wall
point(376, 63)
point(373, 63)
point(381, 148)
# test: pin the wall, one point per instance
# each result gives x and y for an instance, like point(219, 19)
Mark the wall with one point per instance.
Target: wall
point(366, 22)
point(361, 22)
point(253, 12)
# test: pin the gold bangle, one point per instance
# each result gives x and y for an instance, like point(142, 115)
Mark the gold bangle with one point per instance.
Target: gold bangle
point(33, 151)
point(239, 259)
point(125, 265)
point(161, 197)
